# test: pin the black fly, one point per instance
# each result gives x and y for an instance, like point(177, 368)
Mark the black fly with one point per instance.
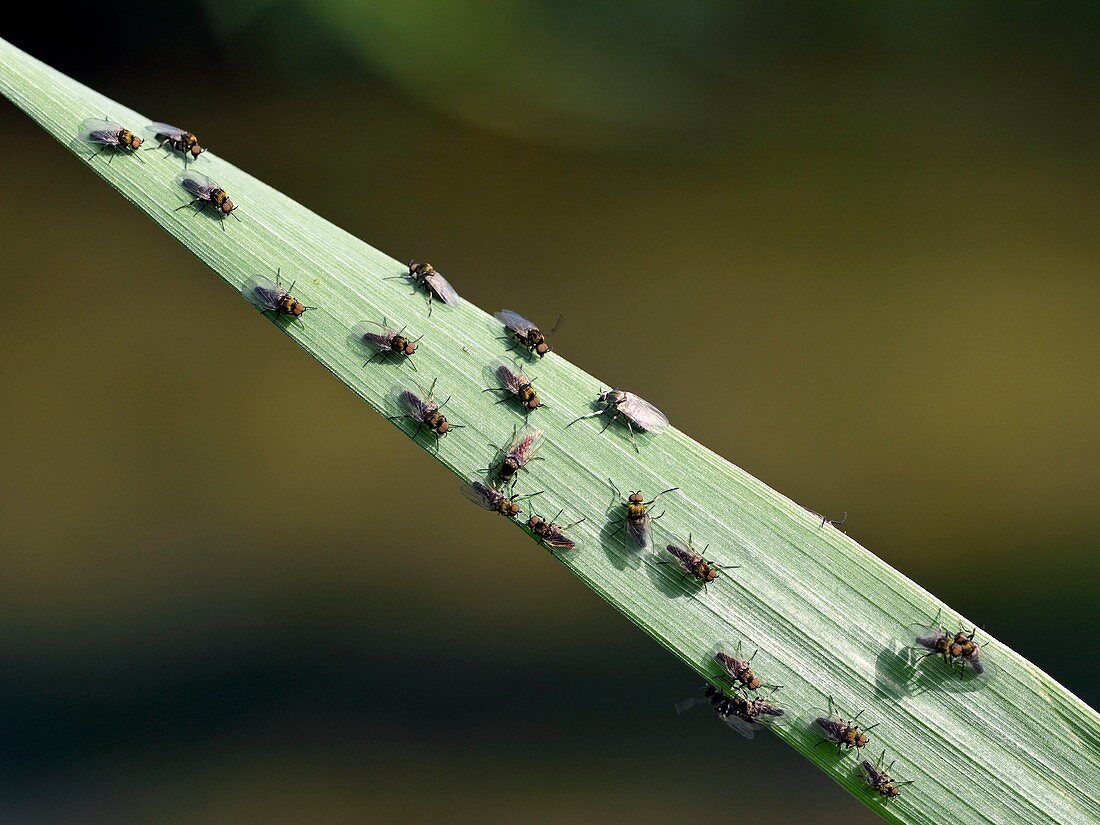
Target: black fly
point(692, 564)
point(176, 139)
point(425, 275)
point(637, 412)
point(384, 341)
point(516, 385)
point(846, 734)
point(743, 714)
point(424, 411)
point(879, 780)
point(273, 297)
point(550, 534)
point(108, 135)
point(524, 333)
point(521, 450)
point(489, 499)
point(637, 520)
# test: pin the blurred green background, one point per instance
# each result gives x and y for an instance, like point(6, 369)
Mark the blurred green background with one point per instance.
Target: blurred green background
point(851, 247)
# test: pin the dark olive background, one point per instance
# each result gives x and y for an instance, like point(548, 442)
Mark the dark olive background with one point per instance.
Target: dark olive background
point(852, 249)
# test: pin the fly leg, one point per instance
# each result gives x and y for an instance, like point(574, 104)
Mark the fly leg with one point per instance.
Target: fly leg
point(630, 429)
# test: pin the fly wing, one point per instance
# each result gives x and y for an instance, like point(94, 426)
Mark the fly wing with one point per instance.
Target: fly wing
point(262, 293)
point(558, 540)
point(442, 288)
point(978, 667)
point(871, 774)
point(525, 443)
point(772, 715)
point(742, 726)
point(687, 704)
point(638, 532)
point(164, 130)
point(730, 664)
point(514, 321)
point(374, 335)
point(410, 403)
point(684, 558)
point(822, 722)
point(509, 379)
point(642, 414)
point(479, 494)
point(197, 184)
point(925, 635)
point(100, 130)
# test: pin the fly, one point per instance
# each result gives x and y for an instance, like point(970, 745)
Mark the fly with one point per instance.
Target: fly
point(176, 139)
point(425, 275)
point(494, 500)
point(739, 671)
point(273, 297)
point(844, 733)
point(550, 534)
point(424, 411)
point(206, 192)
point(692, 564)
point(637, 520)
point(516, 385)
point(741, 713)
point(958, 650)
point(108, 135)
point(636, 411)
point(384, 341)
point(525, 442)
point(879, 780)
point(524, 333)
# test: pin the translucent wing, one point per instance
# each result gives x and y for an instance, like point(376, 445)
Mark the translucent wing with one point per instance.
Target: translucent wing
point(772, 715)
point(164, 130)
point(410, 403)
point(730, 664)
point(197, 184)
point(872, 775)
point(480, 495)
point(684, 558)
point(525, 443)
point(926, 635)
point(822, 722)
point(642, 414)
point(514, 321)
point(687, 704)
point(374, 335)
point(262, 293)
point(509, 378)
point(558, 540)
point(442, 288)
point(978, 666)
point(99, 130)
point(638, 532)
point(742, 726)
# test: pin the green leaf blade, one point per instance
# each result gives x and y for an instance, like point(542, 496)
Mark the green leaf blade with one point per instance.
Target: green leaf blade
point(828, 616)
